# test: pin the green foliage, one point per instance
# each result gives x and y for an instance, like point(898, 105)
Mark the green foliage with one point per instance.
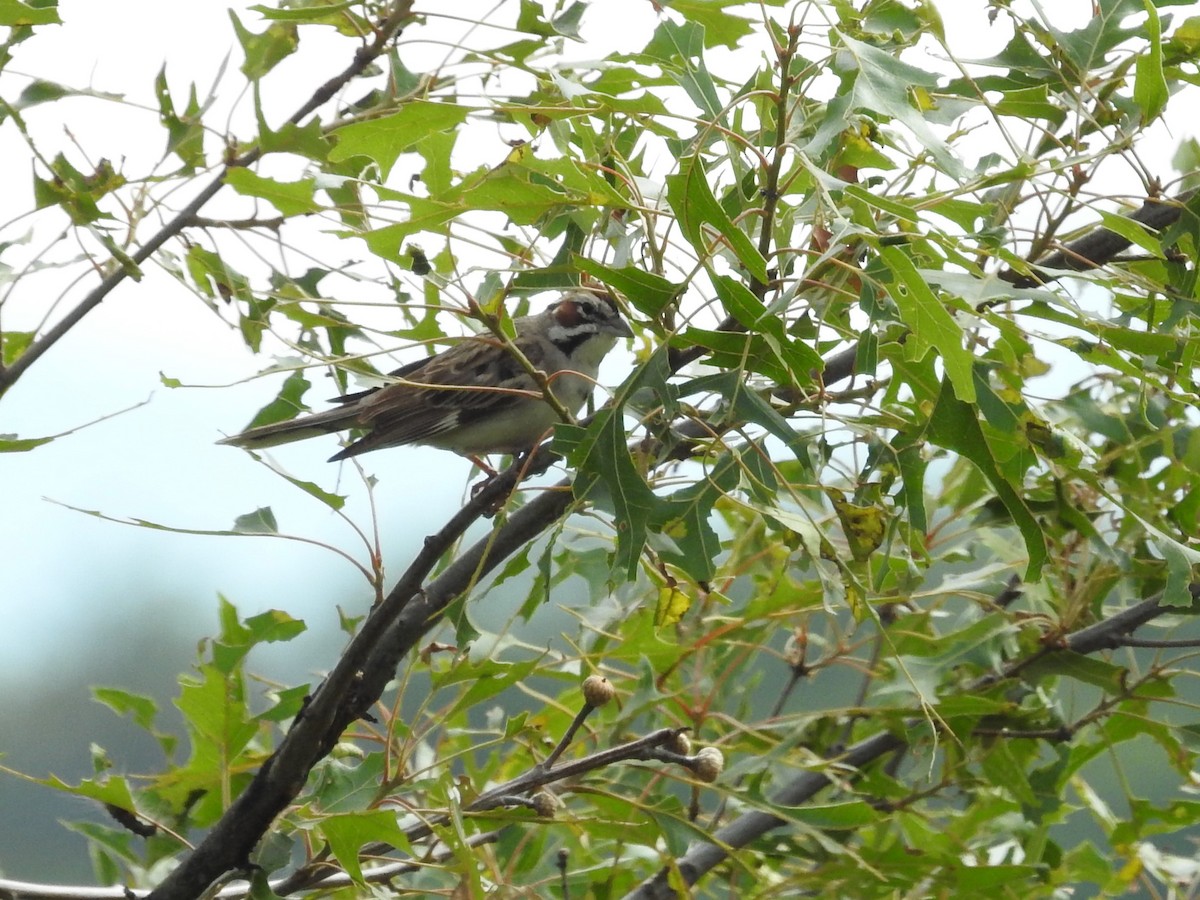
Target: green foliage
point(865, 403)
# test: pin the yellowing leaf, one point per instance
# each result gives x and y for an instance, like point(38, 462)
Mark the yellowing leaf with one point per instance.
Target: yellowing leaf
point(864, 526)
point(671, 606)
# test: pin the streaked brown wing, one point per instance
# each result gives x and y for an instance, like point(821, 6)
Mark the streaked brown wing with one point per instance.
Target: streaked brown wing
point(475, 379)
point(405, 371)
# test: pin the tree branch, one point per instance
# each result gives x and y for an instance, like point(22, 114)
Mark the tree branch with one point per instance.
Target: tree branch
point(397, 624)
point(1099, 246)
point(703, 857)
point(362, 673)
point(401, 12)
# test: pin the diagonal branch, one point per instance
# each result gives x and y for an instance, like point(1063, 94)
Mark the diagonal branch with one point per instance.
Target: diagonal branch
point(703, 857)
point(363, 672)
point(398, 17)
point(394, 627)
point(1099, 246)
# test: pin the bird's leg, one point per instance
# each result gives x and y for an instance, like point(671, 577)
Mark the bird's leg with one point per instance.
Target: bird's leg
point(519, 459)
point(488, 472)
point(482, 466)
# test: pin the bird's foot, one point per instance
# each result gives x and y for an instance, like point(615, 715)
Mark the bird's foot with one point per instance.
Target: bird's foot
point(482, 466)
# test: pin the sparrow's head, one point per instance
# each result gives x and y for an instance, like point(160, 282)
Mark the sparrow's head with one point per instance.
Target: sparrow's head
point(580, 315)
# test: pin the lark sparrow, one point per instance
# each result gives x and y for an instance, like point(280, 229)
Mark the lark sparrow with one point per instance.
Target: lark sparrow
point(476, 397)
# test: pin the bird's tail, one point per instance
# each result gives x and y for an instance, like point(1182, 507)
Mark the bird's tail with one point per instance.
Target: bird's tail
point(276, 433)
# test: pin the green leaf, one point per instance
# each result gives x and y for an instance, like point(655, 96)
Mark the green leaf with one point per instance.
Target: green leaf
point(800, 360)
point(112, 789)
point(344, 16)
point(12, 444)
point(1143, 343)
point(1088, 47)
point(272, 626)
point(747, 405)
point(1150, 90)
point(487, 677)
point(214, 709)
point(1186, 38)
point(76, 192)
point(608, 477)
point(185, 132)
point(288, 702)
point(698, 211)
point(953, 425)
point(524, 188)
point(292, 198)
point(41, 91)
point(140, 708)
point(605, 473)
point(14, 13)
point(721, 28)
point(1088, 669)
point(333, 501)
point(531, 19)
point(307, 140)
point(683, 517)
point(845, 816)
point(649, 293)
point(1000, 879)
point(13, 344)
point(1030, 103)
point(437, 149)
point(384, 139)
point(567, 22)
point(261, 521)
point(287, 403)
point(215, 279)
point(912, 464)
point(266, 50)
point(750, 351)
point(880, 85)
point(687, 65)
point(1134, 232)
point(931, 324)
point(347, 833)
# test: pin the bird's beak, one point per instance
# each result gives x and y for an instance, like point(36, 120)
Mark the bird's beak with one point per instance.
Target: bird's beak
point(621, 329)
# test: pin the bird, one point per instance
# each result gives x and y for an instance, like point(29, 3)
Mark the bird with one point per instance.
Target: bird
point(475, 398)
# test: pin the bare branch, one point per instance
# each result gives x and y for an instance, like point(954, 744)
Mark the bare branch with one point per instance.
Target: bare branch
point(400, 14)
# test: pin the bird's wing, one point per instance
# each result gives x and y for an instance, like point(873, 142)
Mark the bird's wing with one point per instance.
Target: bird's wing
point(405, 371)
point(477, 378)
